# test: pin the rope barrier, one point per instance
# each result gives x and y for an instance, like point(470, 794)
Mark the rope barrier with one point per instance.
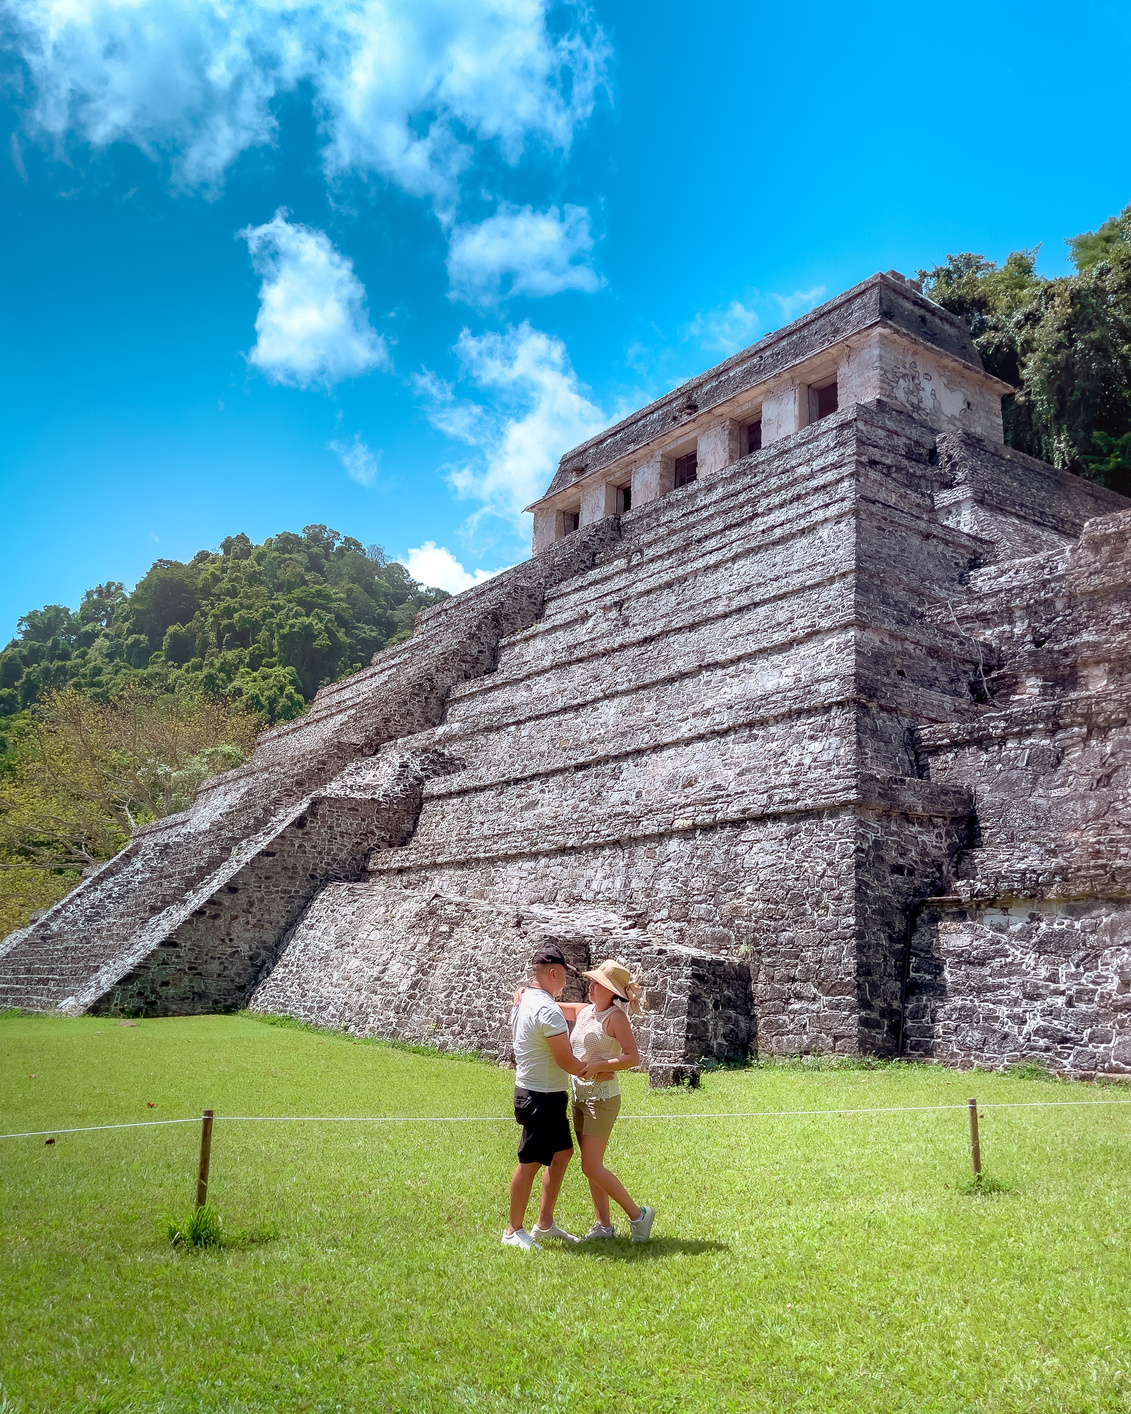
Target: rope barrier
point(87, 1128)
point(499, 1119)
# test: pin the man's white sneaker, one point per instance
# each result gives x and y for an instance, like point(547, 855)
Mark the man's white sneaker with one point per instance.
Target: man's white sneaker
point(519, 1238)
point(641, 1227)
point(541, 1233)
point(598, 1231)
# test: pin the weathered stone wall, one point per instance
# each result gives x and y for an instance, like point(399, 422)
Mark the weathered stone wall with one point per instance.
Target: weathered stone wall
point(441, 969)
point(711, 731)
point(1019, 506)
point(1029, 980)
point(1025, 951)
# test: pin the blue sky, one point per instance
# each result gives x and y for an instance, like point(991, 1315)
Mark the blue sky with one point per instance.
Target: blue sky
point(379, 265)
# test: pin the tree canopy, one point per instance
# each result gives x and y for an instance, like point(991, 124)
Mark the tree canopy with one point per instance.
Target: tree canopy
point(1064, 344)
point(263, 626)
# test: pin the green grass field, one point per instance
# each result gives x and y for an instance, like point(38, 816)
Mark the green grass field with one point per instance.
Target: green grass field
point(831, 1262)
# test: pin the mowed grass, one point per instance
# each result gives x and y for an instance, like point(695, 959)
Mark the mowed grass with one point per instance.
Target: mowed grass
point(829, 1262)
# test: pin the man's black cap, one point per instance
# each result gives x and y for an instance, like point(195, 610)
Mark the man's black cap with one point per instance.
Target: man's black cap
point(549, 956)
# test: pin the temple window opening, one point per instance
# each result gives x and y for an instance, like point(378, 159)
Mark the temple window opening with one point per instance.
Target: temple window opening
point(686, 469)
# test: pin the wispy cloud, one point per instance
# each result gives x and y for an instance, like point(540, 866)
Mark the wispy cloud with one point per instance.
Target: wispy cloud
point(542, 253)
point(360, 463)
point(725, 330)
point(737, 325)
point(433, 565)
point(799, 302)
point(17, 157)
point(312, 327)
point(403, 88)
point(537, 410)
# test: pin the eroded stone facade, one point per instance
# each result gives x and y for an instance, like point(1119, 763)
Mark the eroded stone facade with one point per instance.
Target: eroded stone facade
point(830, 744)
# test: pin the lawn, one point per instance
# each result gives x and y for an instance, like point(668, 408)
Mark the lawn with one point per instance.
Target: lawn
point(820, 1263)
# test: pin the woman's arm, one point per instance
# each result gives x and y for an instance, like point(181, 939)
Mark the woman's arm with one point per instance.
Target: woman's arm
point(568, 1009)
point(620, 1029)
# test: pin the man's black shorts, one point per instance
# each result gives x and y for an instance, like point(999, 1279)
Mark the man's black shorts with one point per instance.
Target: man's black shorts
point(545, 1127)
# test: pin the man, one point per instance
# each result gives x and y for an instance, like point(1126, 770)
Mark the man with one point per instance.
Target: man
point(543, 1062)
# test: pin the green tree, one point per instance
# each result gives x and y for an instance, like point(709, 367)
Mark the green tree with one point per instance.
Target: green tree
point(1065, 345)
point(265, 624)
point(1106, 243)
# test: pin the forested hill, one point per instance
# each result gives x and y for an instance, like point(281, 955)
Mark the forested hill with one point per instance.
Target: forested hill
point(265, 625)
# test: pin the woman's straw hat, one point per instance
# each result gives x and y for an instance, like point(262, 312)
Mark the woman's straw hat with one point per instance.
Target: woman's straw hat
point(617, 978)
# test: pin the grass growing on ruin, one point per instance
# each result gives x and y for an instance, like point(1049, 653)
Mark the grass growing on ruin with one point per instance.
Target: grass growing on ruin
point(821, 1263)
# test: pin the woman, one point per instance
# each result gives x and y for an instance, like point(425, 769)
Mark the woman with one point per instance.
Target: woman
point(601, 1037)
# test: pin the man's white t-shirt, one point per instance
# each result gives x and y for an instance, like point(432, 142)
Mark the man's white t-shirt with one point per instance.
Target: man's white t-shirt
point(535, 1017)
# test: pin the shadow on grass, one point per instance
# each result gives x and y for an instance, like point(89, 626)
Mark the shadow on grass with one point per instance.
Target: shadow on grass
point(625, 1251)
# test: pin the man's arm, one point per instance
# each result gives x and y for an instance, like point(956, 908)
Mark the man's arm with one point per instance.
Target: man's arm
point(559, 1049)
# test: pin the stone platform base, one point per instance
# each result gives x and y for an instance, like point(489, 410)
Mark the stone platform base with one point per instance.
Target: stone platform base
point(441, 969)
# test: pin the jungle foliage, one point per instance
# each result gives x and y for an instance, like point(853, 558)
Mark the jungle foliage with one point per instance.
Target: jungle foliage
point(111, 716)
point(77, 776)
point(1064, 343)
point(260, 625)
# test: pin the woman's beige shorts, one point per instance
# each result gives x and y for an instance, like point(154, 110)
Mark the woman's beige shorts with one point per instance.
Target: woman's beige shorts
point(595, 1117)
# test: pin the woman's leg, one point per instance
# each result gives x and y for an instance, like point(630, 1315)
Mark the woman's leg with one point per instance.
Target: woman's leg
point(590, 1144)
point(602, 1180)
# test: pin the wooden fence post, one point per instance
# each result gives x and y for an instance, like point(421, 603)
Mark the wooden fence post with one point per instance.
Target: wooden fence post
point(205, 1158)
point(975, 1146)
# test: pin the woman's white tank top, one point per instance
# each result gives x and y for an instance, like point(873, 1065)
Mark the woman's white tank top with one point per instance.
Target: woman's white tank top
point(589, 1041)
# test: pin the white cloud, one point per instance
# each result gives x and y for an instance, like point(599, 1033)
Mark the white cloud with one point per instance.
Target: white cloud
point(312, 327)
point(431, 564)
point(360, 463)
point(725, 330)
point(542, 252)
point(399, 86)
point(538, 410)
point(800, 301)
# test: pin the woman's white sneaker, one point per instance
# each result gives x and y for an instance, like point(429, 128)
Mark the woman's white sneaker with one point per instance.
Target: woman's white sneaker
point(519, 1238)
point(641, 1227)
point(541, 1233)
point(599, 1231)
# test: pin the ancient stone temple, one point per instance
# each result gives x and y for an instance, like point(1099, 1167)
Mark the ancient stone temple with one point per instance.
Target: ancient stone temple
point(811, 704)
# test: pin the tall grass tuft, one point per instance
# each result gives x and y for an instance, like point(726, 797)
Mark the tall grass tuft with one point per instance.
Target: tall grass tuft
point(199, 1227)
point(984, 1184)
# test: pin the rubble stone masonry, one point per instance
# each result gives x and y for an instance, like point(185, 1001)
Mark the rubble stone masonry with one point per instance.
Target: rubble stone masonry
point(831, 745)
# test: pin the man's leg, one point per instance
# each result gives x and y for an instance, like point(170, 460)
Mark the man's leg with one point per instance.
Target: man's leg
point(521, 1184)
point(551, 1186)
